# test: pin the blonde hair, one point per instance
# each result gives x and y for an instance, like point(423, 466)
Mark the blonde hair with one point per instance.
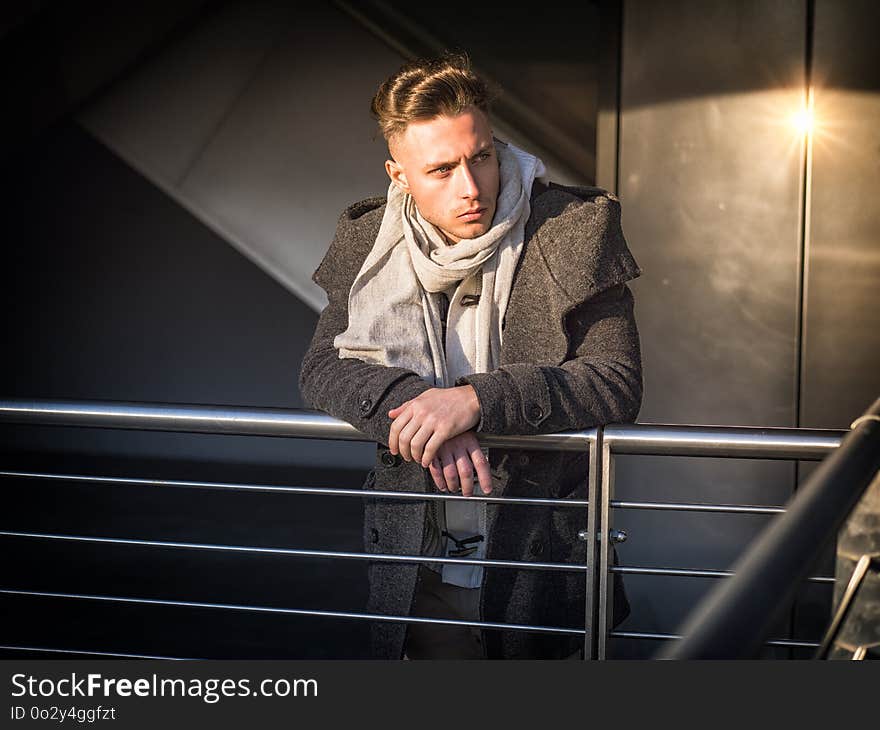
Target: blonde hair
point(428, 88)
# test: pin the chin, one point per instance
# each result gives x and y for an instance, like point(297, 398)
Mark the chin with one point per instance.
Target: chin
point(472, 231)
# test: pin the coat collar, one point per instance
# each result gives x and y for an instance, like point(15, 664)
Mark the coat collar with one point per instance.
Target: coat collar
point(578, 232)
point(574, 250)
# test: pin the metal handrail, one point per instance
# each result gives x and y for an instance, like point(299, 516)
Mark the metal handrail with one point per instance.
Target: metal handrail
point(731, 442)
point(733, 619)
point(603, 444)
point(233, 420)
point(642, 439)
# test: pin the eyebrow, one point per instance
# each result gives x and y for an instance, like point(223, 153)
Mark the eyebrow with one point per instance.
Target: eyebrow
point(434, 165)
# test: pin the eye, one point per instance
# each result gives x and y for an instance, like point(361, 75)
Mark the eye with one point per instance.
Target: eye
point(483, 156)
point(441, 171)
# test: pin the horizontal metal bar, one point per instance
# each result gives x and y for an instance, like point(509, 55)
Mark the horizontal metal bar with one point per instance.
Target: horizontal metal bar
point(792, 643)
point(303, 612)
point(329, 491)
point(378, 557)
point(98, 653)
point(384, 557)
point(697, 507)
point(722, 441)
point(641, 635)
point(633, 570)
point(233, 420)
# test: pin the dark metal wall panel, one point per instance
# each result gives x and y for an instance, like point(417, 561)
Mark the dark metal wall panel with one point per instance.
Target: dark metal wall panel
point(710, 181)
point(841, 340)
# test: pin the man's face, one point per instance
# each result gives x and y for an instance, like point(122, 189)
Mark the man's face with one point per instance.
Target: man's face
point(449, 166)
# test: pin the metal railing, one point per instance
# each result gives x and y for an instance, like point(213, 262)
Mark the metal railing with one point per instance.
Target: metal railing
point(730, 622)
point(603, 446)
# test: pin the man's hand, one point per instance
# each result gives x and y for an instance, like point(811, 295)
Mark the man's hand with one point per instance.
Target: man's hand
point(423, 424)
point(457, 459)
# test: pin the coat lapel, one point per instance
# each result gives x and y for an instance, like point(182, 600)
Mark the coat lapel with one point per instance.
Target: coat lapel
point(535, 299)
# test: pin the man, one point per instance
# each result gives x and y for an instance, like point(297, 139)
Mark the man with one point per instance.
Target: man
point(474, 299)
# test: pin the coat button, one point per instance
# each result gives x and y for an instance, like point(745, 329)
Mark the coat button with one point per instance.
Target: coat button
point(374, 536)
point(389, 459)
point(535, 412)
point(366, 405)
point(536, 548)
point(523, 459)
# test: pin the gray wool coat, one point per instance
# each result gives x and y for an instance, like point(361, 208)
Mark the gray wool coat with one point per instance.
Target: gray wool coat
point(570, 360)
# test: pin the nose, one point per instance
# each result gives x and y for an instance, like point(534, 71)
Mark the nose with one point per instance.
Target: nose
point(467, 184)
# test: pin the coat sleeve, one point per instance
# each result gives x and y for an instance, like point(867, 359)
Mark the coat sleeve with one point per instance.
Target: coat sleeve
point(598, 382)
point(347, 388)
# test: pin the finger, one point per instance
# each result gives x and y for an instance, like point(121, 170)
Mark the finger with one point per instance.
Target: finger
point(436, 470)
point(433, 447)
point(394, 432)
point(481, 464)
point(465, 472)
point(406, 435)
point(395, 412)
point(418, 441)
point(450, 470)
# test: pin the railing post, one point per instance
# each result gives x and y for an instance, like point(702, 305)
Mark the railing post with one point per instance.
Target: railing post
point(606, 598)
point(594, 481)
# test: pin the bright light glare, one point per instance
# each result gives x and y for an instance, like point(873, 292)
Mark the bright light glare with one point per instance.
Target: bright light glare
point(803, 121)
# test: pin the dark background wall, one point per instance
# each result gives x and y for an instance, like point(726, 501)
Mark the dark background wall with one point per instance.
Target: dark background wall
point(757, 305)
point(113, 292)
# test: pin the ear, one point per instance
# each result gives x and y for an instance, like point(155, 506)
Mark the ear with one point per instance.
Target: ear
point(397, 175)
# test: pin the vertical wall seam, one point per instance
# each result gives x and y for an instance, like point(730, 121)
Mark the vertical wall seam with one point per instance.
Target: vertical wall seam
point(804, 218)
point(618, 98)
point(803, 259)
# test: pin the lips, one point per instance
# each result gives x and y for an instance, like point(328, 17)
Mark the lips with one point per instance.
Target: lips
point(472, 214)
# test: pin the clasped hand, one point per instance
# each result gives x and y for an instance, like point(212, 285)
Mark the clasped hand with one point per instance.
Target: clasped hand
point(435, 429)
